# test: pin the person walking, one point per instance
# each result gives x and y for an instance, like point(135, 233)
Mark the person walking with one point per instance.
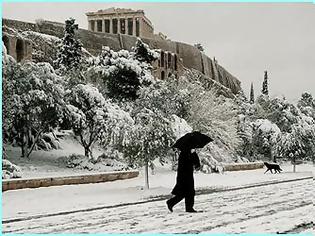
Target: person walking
point(184, 188)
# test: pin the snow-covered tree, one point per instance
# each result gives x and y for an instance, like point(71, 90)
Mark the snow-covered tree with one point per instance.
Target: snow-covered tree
point(70, 49)
point(94, 118)
point(165, 97)
point(282, 113)
point(10, 70)
point(149, 139)
point(265, 135)
point(299, 143)
point(245, 116)
point(265, 89)
point(143, 53)
point(307, 105)
point(87, 115)
point(36, 103)
point(261, 106)
point(214, 116)
point(122, 72)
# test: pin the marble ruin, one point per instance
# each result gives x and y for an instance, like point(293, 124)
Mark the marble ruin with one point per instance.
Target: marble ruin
point(117, 28)
point(120, 21)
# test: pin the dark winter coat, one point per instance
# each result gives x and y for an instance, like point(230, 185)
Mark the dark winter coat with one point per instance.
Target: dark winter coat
point(185, 173)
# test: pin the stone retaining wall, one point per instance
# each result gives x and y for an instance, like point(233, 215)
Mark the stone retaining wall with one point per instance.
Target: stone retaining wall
point(191, 57)
point(13, 184)
point(243, 166)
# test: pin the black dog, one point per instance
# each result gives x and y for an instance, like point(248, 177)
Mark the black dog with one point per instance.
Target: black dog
point(272, 166)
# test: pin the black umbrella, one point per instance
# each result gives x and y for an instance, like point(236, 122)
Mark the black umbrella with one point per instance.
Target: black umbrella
point(192, 140)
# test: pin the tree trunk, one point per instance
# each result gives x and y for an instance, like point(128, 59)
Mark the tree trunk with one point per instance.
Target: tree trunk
point(271, 155)
point(146, 175)
point(294, 167)
point(24, 143)
point(87, 152)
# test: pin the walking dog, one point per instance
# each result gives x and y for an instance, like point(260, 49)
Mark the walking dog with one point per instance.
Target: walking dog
point(272, 166)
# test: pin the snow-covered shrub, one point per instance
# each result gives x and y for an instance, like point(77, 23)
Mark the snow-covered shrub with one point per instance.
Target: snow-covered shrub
point(34, 99)
point(49, 141)
point(9, 170)
point(101, 163)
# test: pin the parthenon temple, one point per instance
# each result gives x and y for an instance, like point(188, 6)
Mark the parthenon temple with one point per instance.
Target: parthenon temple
point(120, 21)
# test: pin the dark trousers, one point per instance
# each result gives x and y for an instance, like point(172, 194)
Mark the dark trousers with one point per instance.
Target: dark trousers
point(189, 201)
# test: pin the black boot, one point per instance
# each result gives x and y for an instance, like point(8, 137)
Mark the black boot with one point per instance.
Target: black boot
point(173, 201)
point(169, 205)
point(189, 203)
point(191, 210)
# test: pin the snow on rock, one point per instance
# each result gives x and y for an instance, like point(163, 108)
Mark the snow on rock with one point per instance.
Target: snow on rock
point(9, 170)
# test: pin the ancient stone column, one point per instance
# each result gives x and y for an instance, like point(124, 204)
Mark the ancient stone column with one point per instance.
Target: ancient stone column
point(126, 26)
point(103, 25)
point(134, 26)
point(95, 26)
point(118, 25)
point(111, 25)
point(89, 26)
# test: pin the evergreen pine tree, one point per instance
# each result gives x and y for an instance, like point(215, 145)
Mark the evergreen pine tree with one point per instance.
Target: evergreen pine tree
point(251, 96)
point(70, 49)
point(265, 90)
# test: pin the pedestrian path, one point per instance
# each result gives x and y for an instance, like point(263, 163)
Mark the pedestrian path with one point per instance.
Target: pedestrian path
point(261, 209)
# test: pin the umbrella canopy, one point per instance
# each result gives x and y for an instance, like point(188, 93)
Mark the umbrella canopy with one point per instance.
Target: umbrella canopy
point(192, 140)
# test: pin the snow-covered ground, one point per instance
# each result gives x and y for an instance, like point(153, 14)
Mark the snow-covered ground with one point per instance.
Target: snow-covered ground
point(49, 163)
point(283, 208)
point(51, 200)
point(28, 202)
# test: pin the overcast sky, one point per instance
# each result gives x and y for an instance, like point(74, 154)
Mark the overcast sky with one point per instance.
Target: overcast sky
point(246, 39)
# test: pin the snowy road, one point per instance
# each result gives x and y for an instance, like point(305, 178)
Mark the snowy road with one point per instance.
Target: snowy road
point(284, 207)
